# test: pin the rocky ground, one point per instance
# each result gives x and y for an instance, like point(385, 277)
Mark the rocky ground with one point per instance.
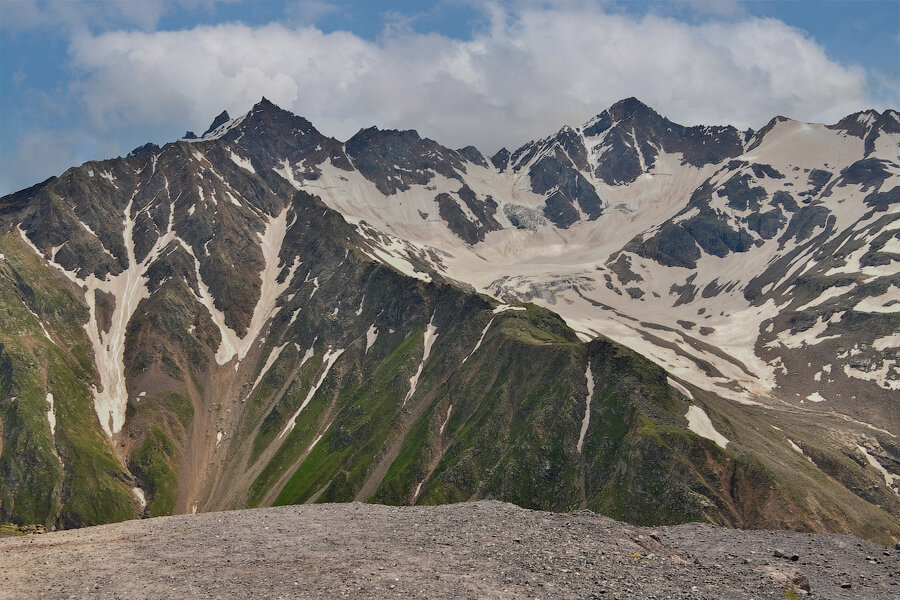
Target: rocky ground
point(473, 550)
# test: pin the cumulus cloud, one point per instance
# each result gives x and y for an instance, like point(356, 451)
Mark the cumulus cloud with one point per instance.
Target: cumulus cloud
point(526, 75)
point(533, 69)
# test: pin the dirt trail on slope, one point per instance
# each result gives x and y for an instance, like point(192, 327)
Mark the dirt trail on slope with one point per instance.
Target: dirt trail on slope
point(473, 550)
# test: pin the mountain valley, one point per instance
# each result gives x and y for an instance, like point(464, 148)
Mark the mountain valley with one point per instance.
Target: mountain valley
point(659, 323)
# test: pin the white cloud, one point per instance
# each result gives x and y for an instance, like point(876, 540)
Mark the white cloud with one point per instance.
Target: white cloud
point(528, 74)
point(531, 71)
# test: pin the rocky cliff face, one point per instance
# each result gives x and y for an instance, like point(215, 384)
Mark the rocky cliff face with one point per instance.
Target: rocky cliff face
point(265, 315)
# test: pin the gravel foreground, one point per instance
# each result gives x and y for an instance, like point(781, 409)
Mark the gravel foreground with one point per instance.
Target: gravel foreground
point(472, 550)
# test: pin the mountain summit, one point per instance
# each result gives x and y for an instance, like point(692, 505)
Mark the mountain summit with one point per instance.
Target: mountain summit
point(656, 322)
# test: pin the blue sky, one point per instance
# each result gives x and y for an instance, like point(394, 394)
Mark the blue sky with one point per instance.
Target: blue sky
point(90, 80)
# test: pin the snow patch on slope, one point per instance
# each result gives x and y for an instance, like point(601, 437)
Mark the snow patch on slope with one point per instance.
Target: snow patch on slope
point(51, 414)
point(481, 339)
point(428, 341)
point(141, 498)
point(699, 423)
point(233, 345)
point(891, 480)
point(128, 288)
point(273, 356)
point(371, 336)
point(328, 360)
point(586, 421)
point(686, 392)
point(241, 162)
point(888, 302)
point(41, 323)
point(446, 420)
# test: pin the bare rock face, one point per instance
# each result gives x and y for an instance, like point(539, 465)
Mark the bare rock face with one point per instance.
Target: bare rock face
point(482, 549)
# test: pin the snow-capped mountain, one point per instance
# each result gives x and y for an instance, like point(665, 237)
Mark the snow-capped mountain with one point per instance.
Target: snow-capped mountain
point(686, 244)
point(264, 314)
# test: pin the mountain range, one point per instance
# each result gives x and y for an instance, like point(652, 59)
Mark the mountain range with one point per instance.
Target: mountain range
point(656, 322)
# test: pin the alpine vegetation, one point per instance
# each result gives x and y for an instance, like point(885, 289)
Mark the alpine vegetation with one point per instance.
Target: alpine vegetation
point(660, 323)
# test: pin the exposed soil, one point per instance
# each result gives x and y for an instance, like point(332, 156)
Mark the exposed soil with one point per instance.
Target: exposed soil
point(472, 550)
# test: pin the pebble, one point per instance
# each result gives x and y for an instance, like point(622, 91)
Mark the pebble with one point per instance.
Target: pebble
point(472, 550)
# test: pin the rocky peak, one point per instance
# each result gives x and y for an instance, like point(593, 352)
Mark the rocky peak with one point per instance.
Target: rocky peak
point(597, 125)
point(275, 135)
point(500, 159)
point(218, 121)
point(394, 160)
point(148, 148)
point(269, 119)
point(631, 108)
point(868, 125)
point(473, 155)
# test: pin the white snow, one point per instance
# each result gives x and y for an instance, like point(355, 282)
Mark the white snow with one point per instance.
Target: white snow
point(586, 421)
point(799, 450)
point(128, 288)
point(828, 294)
point(141, 498)
point(878, 374)
point(271, 241)
point(287, 172)
point(481, 339)
point(428, 341)
point(815, 397)
point(219, 436)
point(687, 393)
point(699, 423)
point(232, 198)
point(890, 479)
point(41, 323)
point(546, 266)
point(328, 360)
point(315, 287)
point(809, 337)
point(504, 307)
point(888, 302)
point(222, 129)
point(888, 341)
point(241, 162)
point(51, 414)
point(892, 246)
point(446, 420)
point(418, 489)
point(273, 356)
point(316, 441)
point(371, 336)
